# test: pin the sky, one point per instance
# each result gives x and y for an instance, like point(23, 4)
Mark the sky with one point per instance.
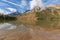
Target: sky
point(9, 6)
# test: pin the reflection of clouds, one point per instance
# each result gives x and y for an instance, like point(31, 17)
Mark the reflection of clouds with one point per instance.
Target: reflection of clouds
point(4, 25)
point(12, 27)
point(7, 26)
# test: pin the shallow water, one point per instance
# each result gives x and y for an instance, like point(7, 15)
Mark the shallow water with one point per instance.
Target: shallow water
point(6, 26)
point(21, 32)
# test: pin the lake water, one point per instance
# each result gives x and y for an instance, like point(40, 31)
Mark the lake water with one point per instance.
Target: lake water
point(21, 32)
point(7, 26)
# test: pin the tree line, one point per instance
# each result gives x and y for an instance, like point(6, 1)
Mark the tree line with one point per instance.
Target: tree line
point(8, 18)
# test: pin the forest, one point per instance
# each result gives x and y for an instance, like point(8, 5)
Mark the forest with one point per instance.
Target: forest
point(7, 18)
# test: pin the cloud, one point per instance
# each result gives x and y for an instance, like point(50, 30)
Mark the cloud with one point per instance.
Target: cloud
point(34, 3)
point(2, 11)
point(11, 3)
point(12, 9)
point(3, 4)
point(22, 4)
point(43, 3)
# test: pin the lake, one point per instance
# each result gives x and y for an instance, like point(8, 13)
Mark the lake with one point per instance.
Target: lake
point(21, 32)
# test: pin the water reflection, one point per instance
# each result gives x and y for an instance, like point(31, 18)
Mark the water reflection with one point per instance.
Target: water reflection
point(21, 32)
point(6, 26)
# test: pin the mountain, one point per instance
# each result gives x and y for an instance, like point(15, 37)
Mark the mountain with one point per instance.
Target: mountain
point(15, 14)
point(50, 13)
point(29, 16)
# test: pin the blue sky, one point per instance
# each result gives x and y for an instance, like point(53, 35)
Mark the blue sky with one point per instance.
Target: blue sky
point(9, 6)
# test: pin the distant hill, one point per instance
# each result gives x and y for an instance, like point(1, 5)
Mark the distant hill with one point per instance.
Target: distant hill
point(14, 14)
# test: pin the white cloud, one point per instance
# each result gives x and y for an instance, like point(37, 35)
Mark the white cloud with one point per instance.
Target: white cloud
point(34, 3)
point(12, 9)
point(40, 3)
point(51, 2)
point(11, 3)
point(3, 4)
point(2, 11)
point(22, 4)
